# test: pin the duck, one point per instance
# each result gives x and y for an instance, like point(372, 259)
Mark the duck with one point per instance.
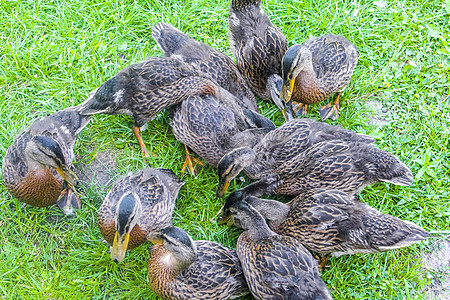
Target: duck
point(176, 44)
point(314, 71)
point(144, 89)
point(258, 47)
point(330, 222)
point(180, 268)
point(212, 128)
point(343, 165)
point(275, 266)
point(278, 147)
point(37, 167)
point(136, 205)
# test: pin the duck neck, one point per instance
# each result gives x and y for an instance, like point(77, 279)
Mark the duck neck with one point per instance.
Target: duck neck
point(260, 230)
point(272, 210)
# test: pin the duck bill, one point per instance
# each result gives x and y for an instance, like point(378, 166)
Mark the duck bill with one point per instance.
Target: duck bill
point(224, 219)
point(222, 188)
point(68, 175)
point(119, 247)
point(286, 91)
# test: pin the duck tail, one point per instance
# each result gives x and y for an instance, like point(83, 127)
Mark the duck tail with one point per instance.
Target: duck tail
point(167, 37)
point(398, 233)
point(387, 167)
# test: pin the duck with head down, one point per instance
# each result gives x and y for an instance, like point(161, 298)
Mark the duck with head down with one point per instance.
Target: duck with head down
point(275, 266)
point(37, 166)
point(316, 70)
point(136, 205)
point(278, 147)
point(330, 222)
point(180, 268)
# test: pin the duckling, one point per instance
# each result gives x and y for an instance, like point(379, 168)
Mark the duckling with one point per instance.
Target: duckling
point(279, 146)
point(179, 268)
point(212, 127)
point(258, 47)
point(219, 66)
point(37, 166)
point(275, 266)
point(142, 90)
point(330, 222)
point(314, 71)
point(341, 165)
point(136, 205)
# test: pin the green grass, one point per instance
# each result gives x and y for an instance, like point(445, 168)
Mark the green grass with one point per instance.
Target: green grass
point(54, 52)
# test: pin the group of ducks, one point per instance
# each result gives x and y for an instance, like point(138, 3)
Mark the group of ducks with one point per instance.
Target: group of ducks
point(214, 113)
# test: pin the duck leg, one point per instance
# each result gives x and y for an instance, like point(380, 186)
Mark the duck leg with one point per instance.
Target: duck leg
point(300, 109)
point(137, 133)
point(322, 262)
point(330, 111)
point(189, 163)
point(68, 200)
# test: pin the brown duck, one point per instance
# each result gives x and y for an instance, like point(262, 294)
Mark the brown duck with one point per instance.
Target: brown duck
point(219, 66)
point(142, 90)
point(314, 71)
point(258, 47)
point(37, 166)
point(330, 222)
point(275, 266)
point(136, 205)
point(345, 166)
point(180, 268)
point(278, 147)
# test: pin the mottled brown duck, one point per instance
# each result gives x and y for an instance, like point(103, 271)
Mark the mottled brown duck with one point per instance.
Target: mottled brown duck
point(142, 90)
point(343, 165)
point(279, 146)
point(212, 128)
point(219, 66)
point(37, 166)
point(316, 70)
point(135, 206)
point(275, 266)
point(330, 222)
point(180, 268)
point(258, 47)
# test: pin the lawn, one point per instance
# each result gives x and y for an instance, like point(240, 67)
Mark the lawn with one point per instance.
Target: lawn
point(53, 53)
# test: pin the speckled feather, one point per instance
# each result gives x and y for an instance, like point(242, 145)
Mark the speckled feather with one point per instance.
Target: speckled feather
point(256, 43)
point(215, 274)
point(144, 89)
point(219, 66)
point(209, 127)
point(291, 139)
point(334, 59)
point(157, 190)
point(332, 222)
point(280, 267)
point(346, 166)
point(43, 188)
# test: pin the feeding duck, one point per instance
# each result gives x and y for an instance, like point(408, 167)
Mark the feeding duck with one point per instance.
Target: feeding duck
point(258, 47)
point(219, 66)
point(142, 90)
point(278, 147)
point(314, 71)
point(37, 166)
point(342, 165)
point(275, 266)
point(212, 127)
point(334, 164)
point(136, 205)
point(180, 268)
point(330, 222)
